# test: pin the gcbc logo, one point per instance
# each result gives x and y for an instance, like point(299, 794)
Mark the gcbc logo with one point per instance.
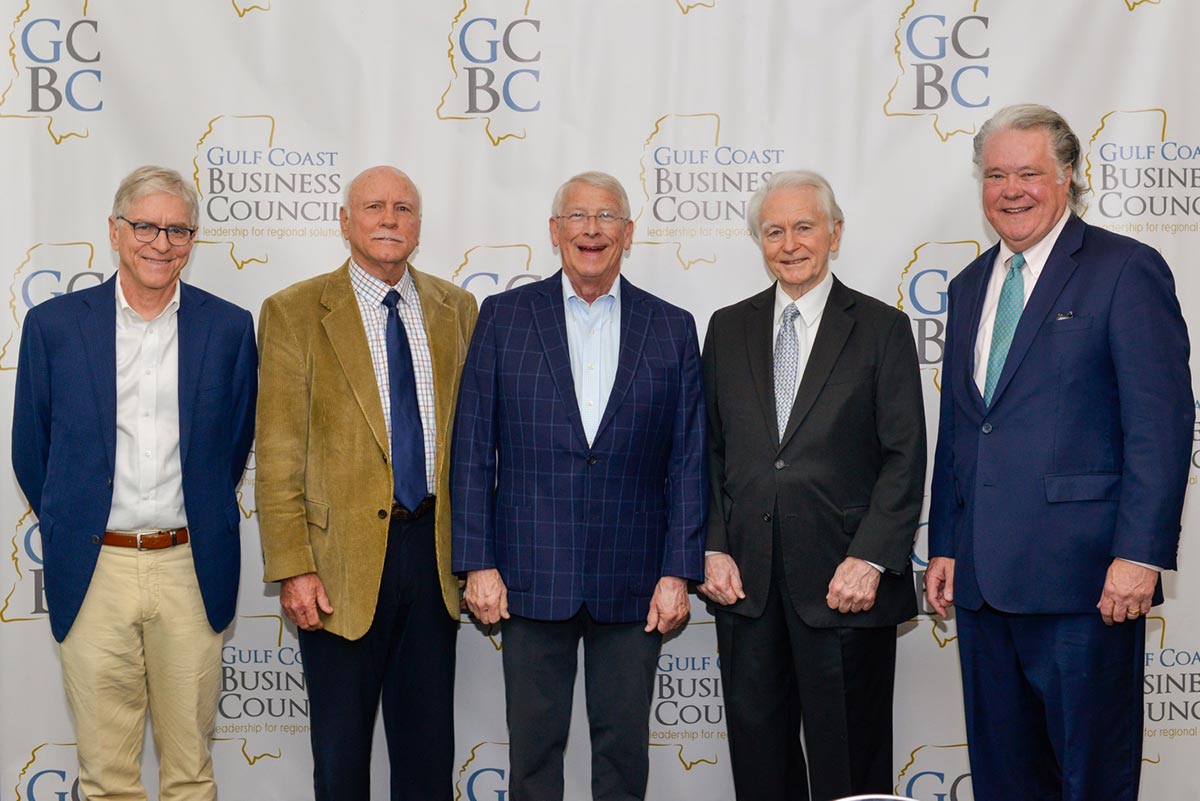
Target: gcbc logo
point(936, 773)
point(48, 270)
point(1144, 178)
point(942, 51)
point(55, 56)
point(923, 295)
point(484, 774)
point(497, 74)
point(488, 269)
point(26, 598)
point(50, 774)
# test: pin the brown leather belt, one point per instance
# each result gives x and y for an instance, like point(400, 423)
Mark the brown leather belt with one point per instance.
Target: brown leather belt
point(423, 508)
point(147, 540)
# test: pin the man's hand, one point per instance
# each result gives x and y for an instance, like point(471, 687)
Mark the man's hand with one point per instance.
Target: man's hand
point(301, 596)
point(1128, 592)
point(939, 584)
point(722, 579)
point(669, 606)
point(853, 586)
point(486, 596)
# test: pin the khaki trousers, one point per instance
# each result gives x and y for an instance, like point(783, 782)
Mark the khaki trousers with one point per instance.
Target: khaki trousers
point(142, 638)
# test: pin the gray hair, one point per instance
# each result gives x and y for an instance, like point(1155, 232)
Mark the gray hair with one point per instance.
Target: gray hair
point(151, 180)
point(1063, 142)
point(350, 186)
point(600, 180)
point(793, 179)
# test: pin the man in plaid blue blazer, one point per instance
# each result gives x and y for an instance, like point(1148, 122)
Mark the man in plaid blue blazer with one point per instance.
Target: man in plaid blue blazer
point(579, 492)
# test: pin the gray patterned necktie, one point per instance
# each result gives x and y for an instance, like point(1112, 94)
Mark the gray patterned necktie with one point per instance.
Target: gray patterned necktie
point(787, 362)
point(1008, 314)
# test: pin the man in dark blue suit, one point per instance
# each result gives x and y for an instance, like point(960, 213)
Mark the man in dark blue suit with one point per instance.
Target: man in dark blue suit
point(578, 487)
point(132, 421)
point(1061, 465)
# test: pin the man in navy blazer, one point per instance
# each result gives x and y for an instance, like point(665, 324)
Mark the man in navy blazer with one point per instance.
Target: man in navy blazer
point(579, 492)
point(1059, 476)
point(132, 422)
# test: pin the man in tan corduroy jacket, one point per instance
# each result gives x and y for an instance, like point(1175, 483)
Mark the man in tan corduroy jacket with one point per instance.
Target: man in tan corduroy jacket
point(364, 563)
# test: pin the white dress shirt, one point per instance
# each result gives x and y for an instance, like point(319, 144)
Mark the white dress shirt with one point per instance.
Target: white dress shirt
point(148, 480)
point(594, 343)
point(370, 292)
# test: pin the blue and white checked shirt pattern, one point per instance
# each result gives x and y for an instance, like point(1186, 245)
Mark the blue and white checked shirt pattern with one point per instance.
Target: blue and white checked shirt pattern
point(370, 292)
point(594, 340)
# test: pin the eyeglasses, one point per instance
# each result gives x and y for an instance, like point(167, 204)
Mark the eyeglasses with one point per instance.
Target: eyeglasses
point(605, 219)
point(148, 232)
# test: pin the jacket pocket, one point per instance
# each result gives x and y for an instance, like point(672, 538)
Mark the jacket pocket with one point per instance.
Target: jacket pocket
point(316, 513)
point(1083, 487)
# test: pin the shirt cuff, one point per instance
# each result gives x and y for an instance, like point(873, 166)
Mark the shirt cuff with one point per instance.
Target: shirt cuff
point(1155, 568)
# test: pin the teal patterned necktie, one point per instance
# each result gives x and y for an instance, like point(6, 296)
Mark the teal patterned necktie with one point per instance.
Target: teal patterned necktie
point(1008, 314)
point(787, 362)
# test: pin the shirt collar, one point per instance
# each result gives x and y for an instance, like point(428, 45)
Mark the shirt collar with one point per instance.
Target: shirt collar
point(124, 308)
point(810, 305)
point(373, 290)
point(569, 292)
point(1037, 255)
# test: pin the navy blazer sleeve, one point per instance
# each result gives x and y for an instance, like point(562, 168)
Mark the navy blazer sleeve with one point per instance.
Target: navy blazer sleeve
point(31, 413)
point(687, 470)
point(473, 455)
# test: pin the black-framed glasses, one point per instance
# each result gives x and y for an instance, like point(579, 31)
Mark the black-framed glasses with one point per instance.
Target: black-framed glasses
point(148, 232)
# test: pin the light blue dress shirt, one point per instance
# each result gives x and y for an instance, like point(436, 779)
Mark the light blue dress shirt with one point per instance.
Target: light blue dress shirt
point(594, 341)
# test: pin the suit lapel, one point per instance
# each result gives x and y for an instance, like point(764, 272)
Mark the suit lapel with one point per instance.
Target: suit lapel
point(98, 329)
point(760, 354)
point(193, 327)
point(441, 330)
point(977, 294)
point(549, 317)
point(635, 323)
point(1058, 270)
point(343, 326)
point(831, 337)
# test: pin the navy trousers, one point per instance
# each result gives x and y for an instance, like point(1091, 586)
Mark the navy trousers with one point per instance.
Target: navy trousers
point(1053, 705)
point(407, 658)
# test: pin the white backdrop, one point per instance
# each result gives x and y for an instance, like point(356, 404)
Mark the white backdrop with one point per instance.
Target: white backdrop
point(489, 104)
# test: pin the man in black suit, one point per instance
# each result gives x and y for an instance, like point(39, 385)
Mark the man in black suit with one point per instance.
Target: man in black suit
point(817, 462)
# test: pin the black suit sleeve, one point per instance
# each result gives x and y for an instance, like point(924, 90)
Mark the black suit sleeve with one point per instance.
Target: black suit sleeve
point(885, 536)
point(718, 539)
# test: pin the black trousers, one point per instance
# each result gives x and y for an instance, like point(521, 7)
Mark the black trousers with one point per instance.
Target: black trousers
point(407, 658)
point(778, 672)
point(539, 679)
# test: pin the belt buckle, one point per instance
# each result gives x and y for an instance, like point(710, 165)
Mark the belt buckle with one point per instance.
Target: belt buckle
point(140, 534)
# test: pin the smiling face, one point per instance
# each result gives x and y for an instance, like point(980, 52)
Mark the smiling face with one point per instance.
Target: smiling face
point(148, 270)
point(797, 238)
point(382, 222)
point(591, 251)
point(1024, 192)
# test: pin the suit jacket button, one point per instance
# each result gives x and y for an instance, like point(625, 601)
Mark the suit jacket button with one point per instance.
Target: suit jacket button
point(987, 428)
point(110, 483)
point(95, 539)
point(780, 464)
point(591, 460)
point(383, 514)
point(766, 517)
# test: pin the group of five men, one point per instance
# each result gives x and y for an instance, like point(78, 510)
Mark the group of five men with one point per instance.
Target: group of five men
point(569, 454)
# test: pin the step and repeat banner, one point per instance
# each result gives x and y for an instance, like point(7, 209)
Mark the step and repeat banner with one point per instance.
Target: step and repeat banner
point(272, 106)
